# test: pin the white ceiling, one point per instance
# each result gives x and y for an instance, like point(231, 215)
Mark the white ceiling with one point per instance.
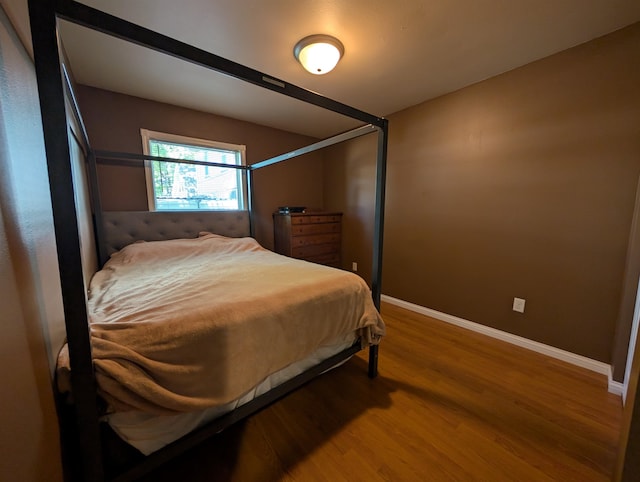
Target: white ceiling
point(397, 53)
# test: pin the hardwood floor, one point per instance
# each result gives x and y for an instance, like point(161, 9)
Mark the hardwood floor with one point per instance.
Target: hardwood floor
point(449, 404)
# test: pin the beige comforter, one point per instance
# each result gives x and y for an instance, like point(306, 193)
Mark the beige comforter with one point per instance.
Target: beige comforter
point(182, 325)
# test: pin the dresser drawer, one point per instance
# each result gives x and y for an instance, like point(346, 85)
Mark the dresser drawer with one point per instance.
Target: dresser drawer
point(332, 259)
point(316, 218)
point(298, 229)
point(298, 241)
point(315, 250)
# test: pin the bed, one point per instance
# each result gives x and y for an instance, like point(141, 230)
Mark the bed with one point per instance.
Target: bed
point(119, 366)
point(199, 326)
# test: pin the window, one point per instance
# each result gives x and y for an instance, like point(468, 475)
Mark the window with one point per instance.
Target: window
point(183, 186)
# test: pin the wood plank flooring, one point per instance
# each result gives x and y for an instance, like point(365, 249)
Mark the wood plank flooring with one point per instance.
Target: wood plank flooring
point(448, 405)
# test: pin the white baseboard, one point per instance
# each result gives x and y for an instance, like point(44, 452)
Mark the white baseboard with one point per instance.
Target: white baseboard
point(617, 388)
point(578, 360)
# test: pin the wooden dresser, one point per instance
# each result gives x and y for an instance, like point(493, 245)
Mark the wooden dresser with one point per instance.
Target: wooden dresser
point(312, 236)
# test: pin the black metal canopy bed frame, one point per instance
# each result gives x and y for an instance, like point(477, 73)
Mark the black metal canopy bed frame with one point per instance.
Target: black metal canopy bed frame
point(55, 92)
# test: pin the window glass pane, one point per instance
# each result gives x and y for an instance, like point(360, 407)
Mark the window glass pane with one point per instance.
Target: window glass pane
point(190, 187)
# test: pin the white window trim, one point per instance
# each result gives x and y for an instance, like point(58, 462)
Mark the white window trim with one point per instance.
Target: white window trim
point(148, 135)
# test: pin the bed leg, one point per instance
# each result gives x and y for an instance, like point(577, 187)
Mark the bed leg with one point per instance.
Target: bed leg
point(373, 361)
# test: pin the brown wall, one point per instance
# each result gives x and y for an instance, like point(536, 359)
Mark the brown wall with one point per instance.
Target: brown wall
point(31, 307)
point(114, 121)
point(349, 186)
point(519, 186)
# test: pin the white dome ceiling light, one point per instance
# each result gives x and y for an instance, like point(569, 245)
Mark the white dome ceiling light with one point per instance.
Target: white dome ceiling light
point(318, 54)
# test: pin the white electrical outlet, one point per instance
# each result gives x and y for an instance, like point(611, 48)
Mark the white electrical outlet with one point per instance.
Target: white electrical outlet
point(518, 305)
point(354, 266)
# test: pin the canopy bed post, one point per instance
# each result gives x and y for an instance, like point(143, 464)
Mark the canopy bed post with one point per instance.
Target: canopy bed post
point(51, 92)
point(378, 234)
point(250, 194)
point(96, 204)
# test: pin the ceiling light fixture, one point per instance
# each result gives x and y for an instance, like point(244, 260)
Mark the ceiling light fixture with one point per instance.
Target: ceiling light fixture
point(318, 54)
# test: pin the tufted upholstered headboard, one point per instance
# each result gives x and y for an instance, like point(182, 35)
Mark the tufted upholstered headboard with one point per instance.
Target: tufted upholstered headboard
point(125, 227)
